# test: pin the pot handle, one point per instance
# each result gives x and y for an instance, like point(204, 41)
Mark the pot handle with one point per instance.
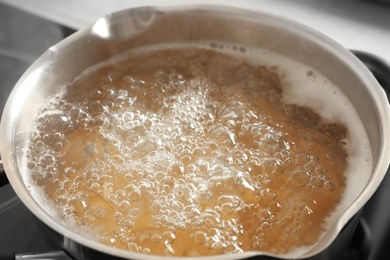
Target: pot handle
point(55, 255)
point(3, 177)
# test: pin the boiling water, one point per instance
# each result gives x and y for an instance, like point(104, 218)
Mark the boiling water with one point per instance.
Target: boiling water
point(197, 150)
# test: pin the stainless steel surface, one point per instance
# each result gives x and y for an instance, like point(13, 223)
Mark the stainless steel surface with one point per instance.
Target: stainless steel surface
point(57, 255)
point(107, 37)
point(356, 24)
point(16, 53)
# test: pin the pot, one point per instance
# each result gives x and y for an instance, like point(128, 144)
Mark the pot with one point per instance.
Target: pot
point(121, 31)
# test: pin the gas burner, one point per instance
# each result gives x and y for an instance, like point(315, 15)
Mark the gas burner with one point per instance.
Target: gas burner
point(378, 67)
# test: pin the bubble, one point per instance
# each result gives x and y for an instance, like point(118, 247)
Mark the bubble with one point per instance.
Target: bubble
point(124, 240)
point(169, 251)
point(219, 248)
point(263, 227)
point(199, 237)
point(146, 250)
point(105, 180)
point(177, 155)
point(302, 159)
point(102, 213)
point(185, 160)
point(270, 142)
point(145, 145)
point(263, 214)
point(55, 121)
point(95, 187)
point(123, 206)
point(135, 212)
point(222, 134)
point(272, 166)
point(107, 239)
point(133, 247)
point(234, 201)
point(329, 185)
point(96, 107)
point(298, 178)
point(272, 195)
point(155, 238)
point(88, 218)
point(227, 209)
point(59, 146)
point(134, 195)
point(309, 167)
point(318, 182)
point(118, 230)
point(77, 205)
point(128, 223)
point(69, 171)
point(111, 197)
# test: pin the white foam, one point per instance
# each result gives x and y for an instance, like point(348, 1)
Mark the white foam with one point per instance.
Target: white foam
point(307, 87)
point(304, 86)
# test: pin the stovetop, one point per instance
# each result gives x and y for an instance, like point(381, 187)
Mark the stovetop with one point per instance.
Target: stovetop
point(23, 37)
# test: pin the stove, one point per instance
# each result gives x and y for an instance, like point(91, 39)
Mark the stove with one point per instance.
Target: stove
point(24, 37)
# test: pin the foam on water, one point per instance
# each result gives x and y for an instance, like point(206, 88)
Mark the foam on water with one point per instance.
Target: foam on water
point(196, 150)
point(309, 88)
point(305, 86)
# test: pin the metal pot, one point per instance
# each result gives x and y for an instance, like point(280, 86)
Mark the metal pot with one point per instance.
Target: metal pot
point(121, 31)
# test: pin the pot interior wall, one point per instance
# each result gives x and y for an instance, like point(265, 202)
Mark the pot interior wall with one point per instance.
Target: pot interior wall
point(114, 35)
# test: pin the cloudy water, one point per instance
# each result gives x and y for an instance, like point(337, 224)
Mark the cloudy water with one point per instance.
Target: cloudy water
point(197, 150)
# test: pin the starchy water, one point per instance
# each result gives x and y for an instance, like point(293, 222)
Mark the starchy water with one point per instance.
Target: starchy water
point(196, 150)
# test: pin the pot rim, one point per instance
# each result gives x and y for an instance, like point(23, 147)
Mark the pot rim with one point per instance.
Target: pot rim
point(10, 165)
